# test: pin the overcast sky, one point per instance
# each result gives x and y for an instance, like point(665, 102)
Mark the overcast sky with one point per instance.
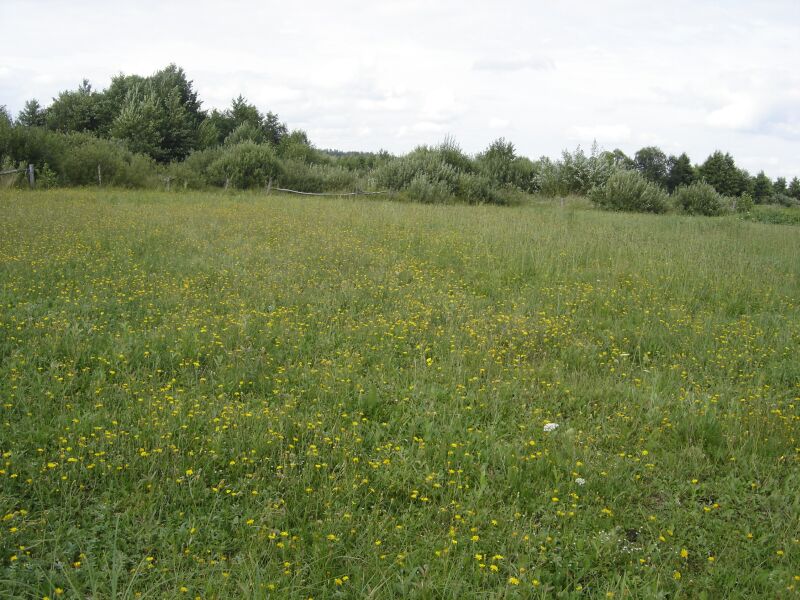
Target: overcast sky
point(685, 75)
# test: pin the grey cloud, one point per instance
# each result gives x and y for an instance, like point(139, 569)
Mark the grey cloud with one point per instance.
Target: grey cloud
point(782, 122)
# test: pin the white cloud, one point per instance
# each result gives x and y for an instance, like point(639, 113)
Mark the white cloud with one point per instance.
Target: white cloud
point(498, 123)
point(389, 103)
point(428, 127)
point(743, 113)
point(518, 63)
point(441, 105)
point(603, 133)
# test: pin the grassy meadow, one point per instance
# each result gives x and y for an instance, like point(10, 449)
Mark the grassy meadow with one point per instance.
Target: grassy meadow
point(210, 395)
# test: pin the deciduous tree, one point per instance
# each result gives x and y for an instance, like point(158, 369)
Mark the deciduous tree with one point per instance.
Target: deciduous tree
point(74, 110)
point(794, 188)
point(651, 162)
point(720, 171)
point(33, 115)
point(762, 188)
point(679, 172)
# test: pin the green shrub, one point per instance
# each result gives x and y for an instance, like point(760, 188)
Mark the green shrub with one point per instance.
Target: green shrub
point(73, 158)
point(297, 175)
point(245, 165)
point(549, 180)
point(444, 172)
point(784, 199)
point(46, 178)
point(451, 154)
point(118, 165)
point(303, 177)
point(503, 168)
point(497, 160)
point(246, 132)
point(193, 172)
point(360, 161)
point(774, 215)
point(424, 164)
point(199, 162)
point(629, 191)
point(743, 204)
point(182, 176)
point(398, 173)
point(296, 146)
point(525, 175)
point(575, 173)
point(477, 189)
point(699, 199)
point(424, 189)
point(6, 131)
point(337, 179)
point(37, 146)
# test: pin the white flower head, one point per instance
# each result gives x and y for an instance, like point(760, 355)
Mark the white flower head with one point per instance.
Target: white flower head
point(550, 427)
point(580, 481)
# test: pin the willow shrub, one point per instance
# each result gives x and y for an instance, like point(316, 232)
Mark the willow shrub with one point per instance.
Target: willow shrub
point(303, 177)
point(439, 174)
point(699, 199)
point(631, 192)
point(94, 161)
point(245, 165)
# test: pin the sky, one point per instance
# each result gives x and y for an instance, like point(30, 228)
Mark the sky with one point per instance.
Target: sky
point(693, 76)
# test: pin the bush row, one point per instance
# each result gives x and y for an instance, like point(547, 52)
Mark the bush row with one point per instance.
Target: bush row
point(76, 158)
point(441, 173)
point(630, 191)
point(430, 174)
point(84, 159)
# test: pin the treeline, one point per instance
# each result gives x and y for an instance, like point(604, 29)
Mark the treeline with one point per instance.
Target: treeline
point(145, 131)
point(152, 131)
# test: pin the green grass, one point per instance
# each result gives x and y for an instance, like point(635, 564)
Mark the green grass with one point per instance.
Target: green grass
point(777, 215)
point(217, 396)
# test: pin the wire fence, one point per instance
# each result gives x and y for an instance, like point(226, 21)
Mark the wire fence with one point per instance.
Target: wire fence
point(29, 171)
point(356, 193)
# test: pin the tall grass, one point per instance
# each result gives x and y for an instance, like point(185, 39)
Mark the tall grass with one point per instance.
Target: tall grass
point(226, 395)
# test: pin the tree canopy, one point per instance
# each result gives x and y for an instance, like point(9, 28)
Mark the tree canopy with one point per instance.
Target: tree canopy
point(160, 118)
point(720, 171)
point(651, 162)
point(160, 115)
point(679, 172)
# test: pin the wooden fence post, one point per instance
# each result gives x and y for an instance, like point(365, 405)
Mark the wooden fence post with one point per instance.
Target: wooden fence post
point(99, 176)
point(31, 177)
